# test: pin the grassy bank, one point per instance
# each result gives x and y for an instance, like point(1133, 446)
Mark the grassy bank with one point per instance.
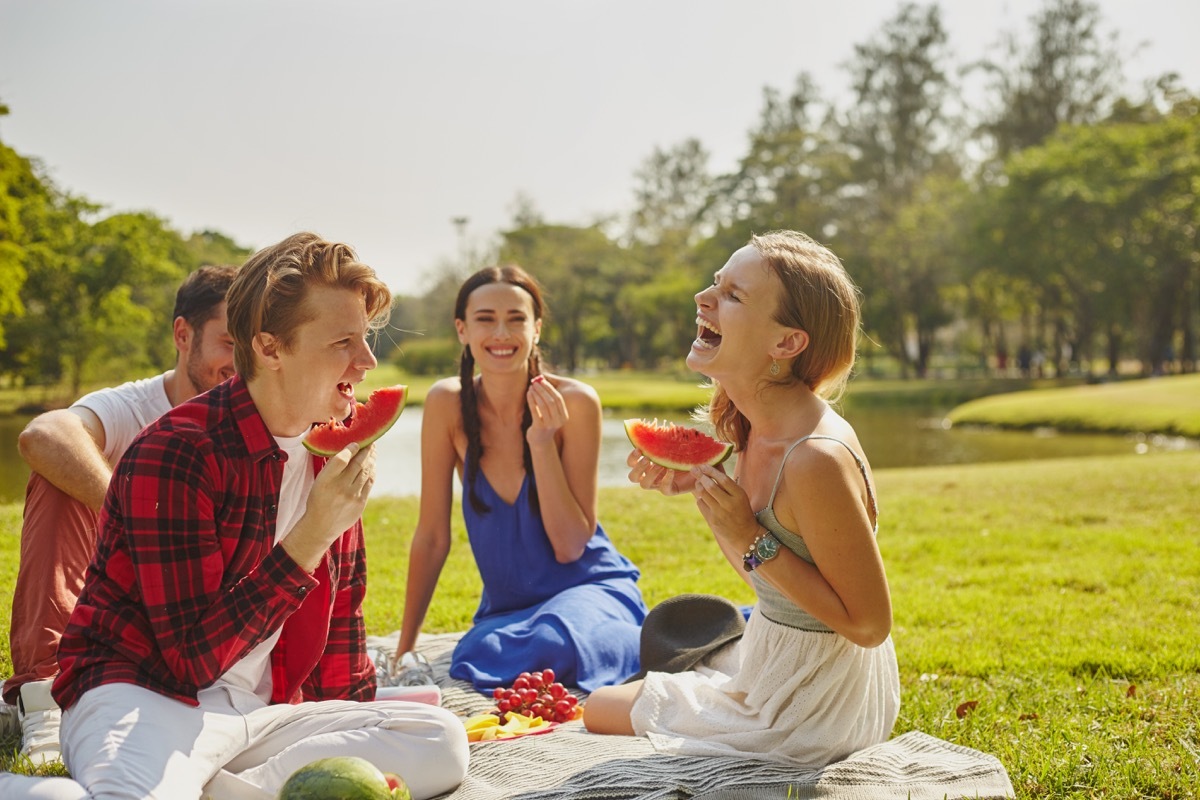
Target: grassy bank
point(1063, 597)
point(666, 392)
point(622, 389)
point(626, 390)
point(1167, 405)
point(682, 391)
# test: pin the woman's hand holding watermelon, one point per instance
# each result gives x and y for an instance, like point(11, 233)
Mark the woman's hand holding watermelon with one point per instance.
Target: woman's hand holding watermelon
point(725, 507)
point(648, 475)
point(664, 455)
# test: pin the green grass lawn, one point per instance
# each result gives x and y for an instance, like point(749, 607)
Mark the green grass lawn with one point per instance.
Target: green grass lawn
point(1169, 405)
point(1061, 597)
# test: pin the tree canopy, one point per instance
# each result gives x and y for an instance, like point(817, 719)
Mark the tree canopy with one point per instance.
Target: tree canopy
point(86, 296)
point(1054, 214)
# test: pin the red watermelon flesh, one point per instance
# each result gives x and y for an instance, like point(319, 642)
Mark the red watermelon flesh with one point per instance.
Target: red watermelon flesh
point(366, 423)
point(675, 446)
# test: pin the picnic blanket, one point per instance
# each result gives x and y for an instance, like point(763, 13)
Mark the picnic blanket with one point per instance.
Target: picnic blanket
point(571, 764)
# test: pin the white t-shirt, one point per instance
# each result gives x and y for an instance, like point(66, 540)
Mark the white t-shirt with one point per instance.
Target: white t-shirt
point(253, 672)
point(124, 410)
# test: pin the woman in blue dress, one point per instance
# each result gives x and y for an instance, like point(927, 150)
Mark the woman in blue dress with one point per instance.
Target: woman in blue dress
point(526, 445)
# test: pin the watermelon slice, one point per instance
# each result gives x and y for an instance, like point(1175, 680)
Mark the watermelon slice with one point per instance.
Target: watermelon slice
point(367, 422)
point(675, 446)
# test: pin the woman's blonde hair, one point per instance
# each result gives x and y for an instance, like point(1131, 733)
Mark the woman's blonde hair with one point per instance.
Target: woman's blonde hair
point(819, 298)
point(269, 291)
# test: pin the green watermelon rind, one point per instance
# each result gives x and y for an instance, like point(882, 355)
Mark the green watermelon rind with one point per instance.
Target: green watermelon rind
point(341, 777)
point(639, 430)
point(336, 435)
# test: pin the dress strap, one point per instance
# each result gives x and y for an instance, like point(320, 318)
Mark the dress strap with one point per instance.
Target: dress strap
point(862, 468)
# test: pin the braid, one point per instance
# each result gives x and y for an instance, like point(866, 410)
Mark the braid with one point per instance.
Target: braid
point(535, 369)
point(471, 426)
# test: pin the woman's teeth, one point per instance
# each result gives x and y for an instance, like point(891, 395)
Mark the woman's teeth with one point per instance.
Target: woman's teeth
point(707, 336)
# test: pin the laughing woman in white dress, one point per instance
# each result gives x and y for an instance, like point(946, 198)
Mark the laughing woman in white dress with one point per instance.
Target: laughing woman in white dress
point(814, 678)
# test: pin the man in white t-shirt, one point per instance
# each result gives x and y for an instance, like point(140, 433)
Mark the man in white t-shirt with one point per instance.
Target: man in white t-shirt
point(72, 453)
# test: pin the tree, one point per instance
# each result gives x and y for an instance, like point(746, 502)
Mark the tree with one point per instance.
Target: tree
point(1103, 220)
point(126, 280)
point(653, 316)
point(898, 122)
point(18, 185)
point(993, 296)
point(582, 271)
point(210, 247)
point(40, 231)
point(901, 136)
point(1069, 75)
point(791, 172)
point(672, 190)
point(917, 264)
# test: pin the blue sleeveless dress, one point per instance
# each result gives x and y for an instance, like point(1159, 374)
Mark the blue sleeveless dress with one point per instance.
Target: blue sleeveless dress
point(582, 619)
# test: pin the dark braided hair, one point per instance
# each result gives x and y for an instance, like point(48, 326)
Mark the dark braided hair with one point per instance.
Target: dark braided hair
point(469, 401)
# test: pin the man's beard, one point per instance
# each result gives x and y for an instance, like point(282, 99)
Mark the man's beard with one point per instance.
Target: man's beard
point(200, 381)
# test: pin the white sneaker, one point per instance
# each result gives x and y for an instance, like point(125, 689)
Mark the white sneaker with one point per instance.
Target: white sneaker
point(10, 726)
point(40, 720)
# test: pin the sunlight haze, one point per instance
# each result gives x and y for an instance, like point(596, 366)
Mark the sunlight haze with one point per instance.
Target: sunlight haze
point(378, 123)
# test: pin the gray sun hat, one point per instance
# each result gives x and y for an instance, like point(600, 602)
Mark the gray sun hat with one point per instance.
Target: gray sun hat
point(680, 631)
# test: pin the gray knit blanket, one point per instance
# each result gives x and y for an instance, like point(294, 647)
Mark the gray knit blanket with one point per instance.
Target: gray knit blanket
point(569, 763)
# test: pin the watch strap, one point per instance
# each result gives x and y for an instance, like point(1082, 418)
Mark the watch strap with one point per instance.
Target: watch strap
point(752, 560)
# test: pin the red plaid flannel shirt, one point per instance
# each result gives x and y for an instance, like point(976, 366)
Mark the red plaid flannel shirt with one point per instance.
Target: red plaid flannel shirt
point(186, 578)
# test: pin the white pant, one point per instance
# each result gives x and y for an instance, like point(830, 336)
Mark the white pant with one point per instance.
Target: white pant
point(124, 741)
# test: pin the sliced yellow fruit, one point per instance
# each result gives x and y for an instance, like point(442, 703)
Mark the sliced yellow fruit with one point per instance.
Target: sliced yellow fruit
point(480, 721)
point(487, 727)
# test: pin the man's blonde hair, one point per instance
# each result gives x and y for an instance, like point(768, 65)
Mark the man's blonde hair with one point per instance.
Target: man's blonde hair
point(268, 294)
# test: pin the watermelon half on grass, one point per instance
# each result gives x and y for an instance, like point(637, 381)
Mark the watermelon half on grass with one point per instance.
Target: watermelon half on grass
point(366, 423)
point(674, 446)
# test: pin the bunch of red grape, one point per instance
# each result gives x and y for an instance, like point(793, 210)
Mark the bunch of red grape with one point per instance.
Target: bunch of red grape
point(536, 694)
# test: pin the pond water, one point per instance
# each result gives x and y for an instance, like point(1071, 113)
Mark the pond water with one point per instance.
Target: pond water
point(892, 437)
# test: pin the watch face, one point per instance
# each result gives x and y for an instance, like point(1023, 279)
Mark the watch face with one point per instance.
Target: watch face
point(768, 548)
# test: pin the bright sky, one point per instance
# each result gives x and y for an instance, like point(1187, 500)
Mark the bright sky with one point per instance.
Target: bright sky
point(377, 122)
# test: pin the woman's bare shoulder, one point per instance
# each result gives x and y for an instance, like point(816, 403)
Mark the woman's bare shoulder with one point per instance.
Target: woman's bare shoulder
point(444, 388)
point(442, 399)
point(822, 469)
point(575, 390)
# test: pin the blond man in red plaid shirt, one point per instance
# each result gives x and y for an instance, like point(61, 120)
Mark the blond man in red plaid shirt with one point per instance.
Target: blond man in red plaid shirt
point(218, 644)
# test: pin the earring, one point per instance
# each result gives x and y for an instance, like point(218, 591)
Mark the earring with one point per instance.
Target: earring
point(774, 370)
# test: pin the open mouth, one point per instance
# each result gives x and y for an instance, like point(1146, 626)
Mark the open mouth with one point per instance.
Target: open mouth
point(346, 390)
point(707, 336)
point(502, 352)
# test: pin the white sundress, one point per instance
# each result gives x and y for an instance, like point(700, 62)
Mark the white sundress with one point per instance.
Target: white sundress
point(790, 690)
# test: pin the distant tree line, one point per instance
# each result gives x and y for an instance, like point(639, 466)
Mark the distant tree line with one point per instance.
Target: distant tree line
point(85, 296)
point(1053, 223)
